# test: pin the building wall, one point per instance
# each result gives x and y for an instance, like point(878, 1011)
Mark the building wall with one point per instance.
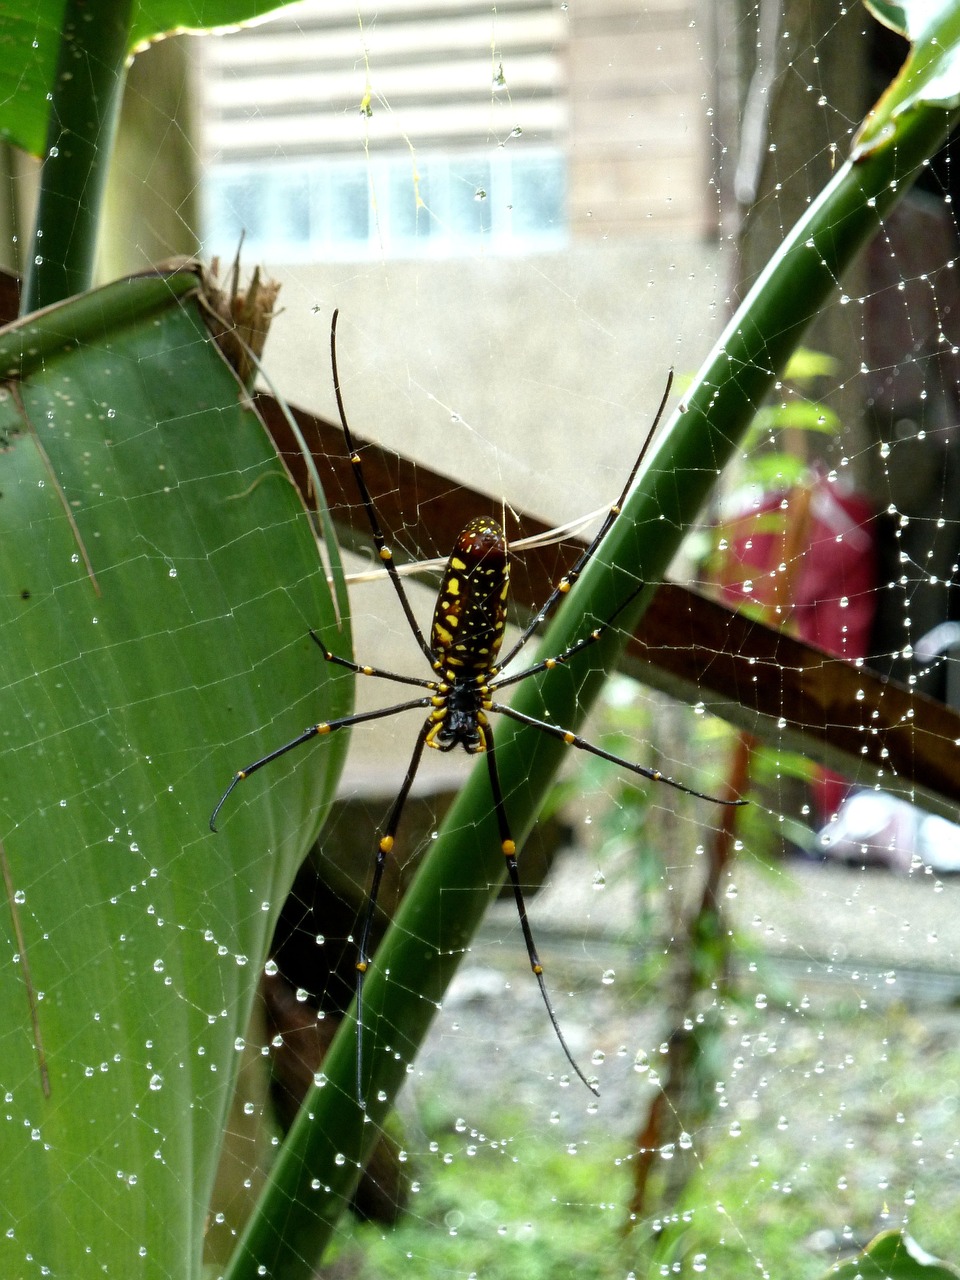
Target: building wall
point(639, 92)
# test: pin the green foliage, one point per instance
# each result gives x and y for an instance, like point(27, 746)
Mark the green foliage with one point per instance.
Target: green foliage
point(527, 1217)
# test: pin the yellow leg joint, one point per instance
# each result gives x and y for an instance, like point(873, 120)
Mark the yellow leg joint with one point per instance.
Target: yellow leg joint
point(508, 848)
point(361, 966)
point(386, 844)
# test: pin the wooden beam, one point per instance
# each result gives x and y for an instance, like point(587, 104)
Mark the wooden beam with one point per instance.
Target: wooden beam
point(781, 690)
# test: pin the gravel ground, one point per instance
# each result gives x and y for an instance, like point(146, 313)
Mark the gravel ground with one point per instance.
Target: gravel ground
point(861, 936)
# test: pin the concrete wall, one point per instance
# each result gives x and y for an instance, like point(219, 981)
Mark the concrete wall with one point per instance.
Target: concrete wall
point(534, 379)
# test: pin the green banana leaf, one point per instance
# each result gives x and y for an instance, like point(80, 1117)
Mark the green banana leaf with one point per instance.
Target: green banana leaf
point(30, 38)
point(61, 83)
point(320, 1163)
point(158, 576)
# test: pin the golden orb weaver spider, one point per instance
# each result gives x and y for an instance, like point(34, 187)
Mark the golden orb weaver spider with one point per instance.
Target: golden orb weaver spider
point(463, 652)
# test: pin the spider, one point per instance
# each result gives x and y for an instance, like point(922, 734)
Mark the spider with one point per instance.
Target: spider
point(463, 654)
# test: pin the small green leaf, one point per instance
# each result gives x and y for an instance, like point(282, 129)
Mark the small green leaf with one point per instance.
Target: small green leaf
point(893, 1255)
point(775, 473)
point(806, 364)
point(799, 415)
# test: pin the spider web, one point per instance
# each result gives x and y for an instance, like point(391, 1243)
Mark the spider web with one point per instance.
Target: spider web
point(803, 1073)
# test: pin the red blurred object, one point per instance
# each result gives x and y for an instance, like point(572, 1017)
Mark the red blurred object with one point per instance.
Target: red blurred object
point(806, 559)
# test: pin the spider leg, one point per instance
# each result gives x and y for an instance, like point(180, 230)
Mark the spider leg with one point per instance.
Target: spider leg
point(379, 672)
point(547, 664)
point(384, 849)
point(574, 740)
point(383, 551)
point(314, 731)
point(509, 850)
point(569, 578)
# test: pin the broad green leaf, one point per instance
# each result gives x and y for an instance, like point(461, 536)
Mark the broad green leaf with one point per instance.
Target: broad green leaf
point(893, 1255)
point(893, 16)
point(930, 77)
point(30, 40)
point(158, 576)
point(912, 19)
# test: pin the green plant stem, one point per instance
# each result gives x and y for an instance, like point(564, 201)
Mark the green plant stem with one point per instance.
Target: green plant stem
point(318, 1168)
point(87, 90)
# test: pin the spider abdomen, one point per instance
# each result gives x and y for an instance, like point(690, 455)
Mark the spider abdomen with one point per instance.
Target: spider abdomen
point(471, 610)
